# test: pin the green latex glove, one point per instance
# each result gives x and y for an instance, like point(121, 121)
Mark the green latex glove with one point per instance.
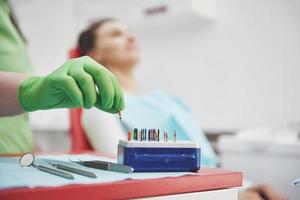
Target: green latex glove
point(73, 85)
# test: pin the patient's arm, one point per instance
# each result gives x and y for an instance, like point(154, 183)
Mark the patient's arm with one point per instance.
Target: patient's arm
point(103, 130)
point(261, 192)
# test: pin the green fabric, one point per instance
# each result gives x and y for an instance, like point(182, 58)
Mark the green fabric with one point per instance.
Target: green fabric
point(73, 85)
point(15, 134)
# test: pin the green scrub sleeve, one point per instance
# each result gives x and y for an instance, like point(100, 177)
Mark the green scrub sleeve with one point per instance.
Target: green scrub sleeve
point(15, 133)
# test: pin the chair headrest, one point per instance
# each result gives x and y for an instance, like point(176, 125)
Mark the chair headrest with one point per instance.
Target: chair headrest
point(74, 53)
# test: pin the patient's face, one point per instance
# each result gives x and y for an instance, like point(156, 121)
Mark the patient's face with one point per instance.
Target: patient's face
point(115, 45)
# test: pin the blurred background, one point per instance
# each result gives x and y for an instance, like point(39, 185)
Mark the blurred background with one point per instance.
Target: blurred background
point(235, 63)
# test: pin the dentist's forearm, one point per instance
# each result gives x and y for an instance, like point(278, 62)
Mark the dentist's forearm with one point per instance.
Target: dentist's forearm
point(9, 86)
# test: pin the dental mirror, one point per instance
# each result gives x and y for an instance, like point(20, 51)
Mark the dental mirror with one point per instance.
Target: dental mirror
point(27, 160)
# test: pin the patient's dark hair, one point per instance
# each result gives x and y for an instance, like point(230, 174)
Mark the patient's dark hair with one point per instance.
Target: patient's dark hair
point(86, 39)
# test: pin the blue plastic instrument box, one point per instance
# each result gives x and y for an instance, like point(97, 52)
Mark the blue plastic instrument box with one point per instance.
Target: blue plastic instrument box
point(160, 156)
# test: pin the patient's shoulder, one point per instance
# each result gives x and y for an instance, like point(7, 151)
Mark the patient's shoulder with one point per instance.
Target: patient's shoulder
point(166, 95)
point(94, 114)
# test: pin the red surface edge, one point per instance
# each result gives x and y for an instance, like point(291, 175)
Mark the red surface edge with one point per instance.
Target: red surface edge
point(210, 179)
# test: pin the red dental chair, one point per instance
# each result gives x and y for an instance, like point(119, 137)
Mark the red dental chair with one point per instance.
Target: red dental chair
point(79, 140)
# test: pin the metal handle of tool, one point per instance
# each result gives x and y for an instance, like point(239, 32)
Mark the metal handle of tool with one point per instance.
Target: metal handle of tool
point(77, 171)
point(94, 164)
point(120, 168)
point(55, 172)
point(107, 166)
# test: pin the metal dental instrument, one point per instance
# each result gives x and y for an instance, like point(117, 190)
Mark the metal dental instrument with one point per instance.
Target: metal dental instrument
point(27, 160)
point(71, 168)
point(107, 166)
point(98, 164)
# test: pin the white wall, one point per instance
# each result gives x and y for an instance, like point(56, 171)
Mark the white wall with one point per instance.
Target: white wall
point(240, 70)
point(237, 69)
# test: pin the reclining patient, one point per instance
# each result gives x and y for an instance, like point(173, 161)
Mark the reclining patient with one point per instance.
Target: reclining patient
point(110, 43)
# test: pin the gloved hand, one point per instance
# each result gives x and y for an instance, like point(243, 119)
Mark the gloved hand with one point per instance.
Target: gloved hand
point(73, 85)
